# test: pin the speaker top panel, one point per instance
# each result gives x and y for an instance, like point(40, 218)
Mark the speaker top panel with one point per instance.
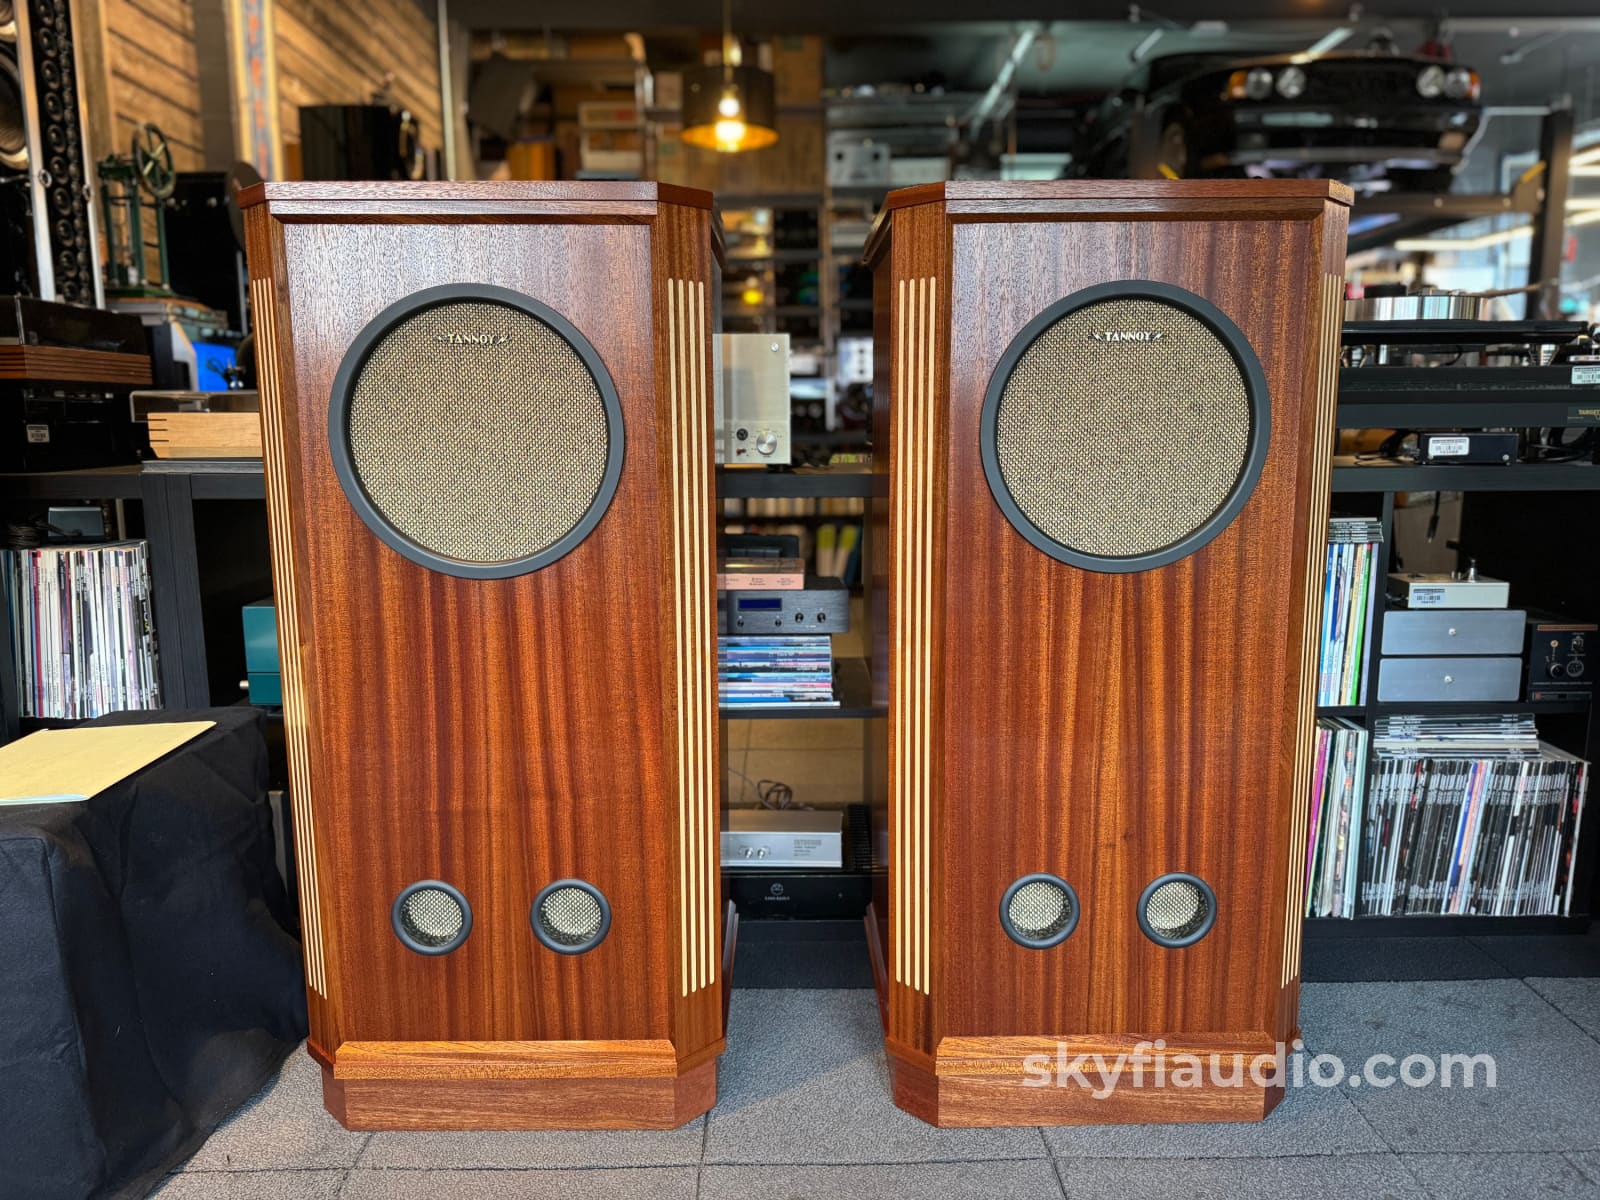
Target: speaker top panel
point(1125, 426)
point(476, 431)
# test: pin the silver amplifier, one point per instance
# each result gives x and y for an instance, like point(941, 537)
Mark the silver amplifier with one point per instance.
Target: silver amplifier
point(786, 837)
point(754, 378)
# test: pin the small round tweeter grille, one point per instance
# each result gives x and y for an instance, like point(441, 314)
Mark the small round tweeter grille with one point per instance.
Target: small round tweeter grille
point(476, 431)
point(571, 916)
point(1039, 911)
point(431, 917)
point(1125, 426)
point(1177, 910)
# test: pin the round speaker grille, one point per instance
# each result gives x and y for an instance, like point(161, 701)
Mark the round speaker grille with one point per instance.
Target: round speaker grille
point(1124, 427)
point(476, 431)
point(1039, 911)
point(571, 916)
point(431, 917)
point(1177, 910)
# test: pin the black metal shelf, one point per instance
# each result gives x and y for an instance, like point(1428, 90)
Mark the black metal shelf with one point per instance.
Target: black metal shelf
point(1380, 476)
point(778, 483)
point(1440, 925)
point(851, 686)
point(1389, 708)
point(92, 483)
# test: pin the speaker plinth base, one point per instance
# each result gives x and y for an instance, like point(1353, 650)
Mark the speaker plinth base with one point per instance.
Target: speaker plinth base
point(518, 1085)
point(986, 1082)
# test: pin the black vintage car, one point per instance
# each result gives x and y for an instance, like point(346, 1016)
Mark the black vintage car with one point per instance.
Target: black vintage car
point(1370, 118)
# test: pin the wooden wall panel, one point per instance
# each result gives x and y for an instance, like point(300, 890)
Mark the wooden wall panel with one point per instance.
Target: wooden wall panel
point(340, 53)
point(154, 76)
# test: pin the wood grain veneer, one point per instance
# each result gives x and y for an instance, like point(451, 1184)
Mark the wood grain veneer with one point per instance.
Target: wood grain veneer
point(1108, 728)
point(68, 364)
point(502, 734)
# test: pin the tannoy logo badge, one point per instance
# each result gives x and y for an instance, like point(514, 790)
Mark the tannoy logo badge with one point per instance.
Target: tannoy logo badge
point(1129, 335)
point(473, 339)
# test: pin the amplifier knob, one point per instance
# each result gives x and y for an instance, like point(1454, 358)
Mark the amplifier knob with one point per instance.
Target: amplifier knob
point(1449, 679)
point(761, 852)
point(1574, 668)
point(767, 442)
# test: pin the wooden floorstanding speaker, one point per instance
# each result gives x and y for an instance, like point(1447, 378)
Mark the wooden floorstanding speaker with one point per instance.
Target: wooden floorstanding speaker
point(487, 416)
point(1104, 421)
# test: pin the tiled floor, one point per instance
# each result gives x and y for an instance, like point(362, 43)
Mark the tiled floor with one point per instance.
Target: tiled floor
point(804, 1113)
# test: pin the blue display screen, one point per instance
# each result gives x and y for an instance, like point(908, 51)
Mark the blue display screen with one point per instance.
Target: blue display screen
point(761, 604)
point(211, 359)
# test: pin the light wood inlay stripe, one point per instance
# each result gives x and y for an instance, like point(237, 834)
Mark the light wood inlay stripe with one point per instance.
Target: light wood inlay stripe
point(693, 617)
point(912, 523)
point(1316, 561)
point(295, 720)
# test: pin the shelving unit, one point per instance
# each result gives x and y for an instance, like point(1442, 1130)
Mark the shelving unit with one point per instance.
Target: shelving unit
point(853, 687)
point(1410, 398)
point(207, 529)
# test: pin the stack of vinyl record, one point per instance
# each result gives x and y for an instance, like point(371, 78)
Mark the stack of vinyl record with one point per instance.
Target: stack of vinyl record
point(1355, 545)
point(785, 670)
point(1470, 815)
point(83, 633)
point(1338, 789)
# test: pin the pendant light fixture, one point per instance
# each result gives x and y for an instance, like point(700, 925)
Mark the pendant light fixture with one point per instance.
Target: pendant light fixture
point(729, 107)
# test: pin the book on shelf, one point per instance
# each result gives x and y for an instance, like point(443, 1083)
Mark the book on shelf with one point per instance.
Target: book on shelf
point(1355, 547)
point(1338, 790)
point(82, 629)
point(1457, 826)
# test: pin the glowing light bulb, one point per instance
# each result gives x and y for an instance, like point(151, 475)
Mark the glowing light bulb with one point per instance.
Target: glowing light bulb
point(729, 105)
point(729, 133)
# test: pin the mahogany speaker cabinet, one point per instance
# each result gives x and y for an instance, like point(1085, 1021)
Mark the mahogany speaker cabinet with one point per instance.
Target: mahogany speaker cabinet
point(487, 416)
point(1104, 420)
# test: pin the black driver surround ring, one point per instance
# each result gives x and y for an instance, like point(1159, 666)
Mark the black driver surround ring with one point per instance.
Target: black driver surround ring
point(1060, 935)
point(535, 916)
point(397, 912)
point(349, 373)
point(1255, 382)
point(1207, 896)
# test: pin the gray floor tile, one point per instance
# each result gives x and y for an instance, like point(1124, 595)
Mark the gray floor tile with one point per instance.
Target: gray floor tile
point(584, 1148)
point(284, 1126)
point(1311, 1120)
point(251, 1185)
point(805, 1081)
point(1027, 1180)
point(661, 1183)
point(1589, 1164)
point(1578, 1000)
point(1368, 1176)
point(1548, 1074)
point(1495, 1176)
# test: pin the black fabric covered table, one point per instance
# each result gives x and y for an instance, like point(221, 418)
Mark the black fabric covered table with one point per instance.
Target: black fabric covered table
point(149, 983)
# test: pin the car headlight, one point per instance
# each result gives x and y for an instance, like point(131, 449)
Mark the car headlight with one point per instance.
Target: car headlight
point(1258, 83)
point(1291, 83)
point(1461, 84)
point(1430, 83)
